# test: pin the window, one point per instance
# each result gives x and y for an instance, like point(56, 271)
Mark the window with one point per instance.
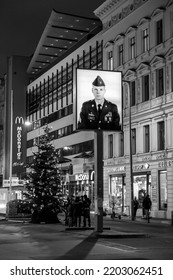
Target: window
point(161, 135)
point(163, 191)
point(117, 193)
point(120, 54)
point(132, 94)
point(110, 146)
point(132, 47)
point(159, 82)
point(133, 135)
point(145, 88)
point(146, 138)
point(145, 39)
point(171, 76)
point(110, 60)
point(159, 32)
point(122, 145)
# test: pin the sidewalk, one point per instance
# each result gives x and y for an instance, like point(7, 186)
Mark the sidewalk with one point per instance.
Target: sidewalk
point(108, 217)
point(143, 220)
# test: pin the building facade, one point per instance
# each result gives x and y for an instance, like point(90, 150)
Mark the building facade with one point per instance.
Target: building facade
point(2, 121)
point(136, 39)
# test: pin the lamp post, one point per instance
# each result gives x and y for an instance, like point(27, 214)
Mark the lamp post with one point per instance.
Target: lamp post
point(131, 159)
point(11, 146)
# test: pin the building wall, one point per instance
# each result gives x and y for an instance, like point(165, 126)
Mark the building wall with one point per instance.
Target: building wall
point(121, 22)
point(2, 121)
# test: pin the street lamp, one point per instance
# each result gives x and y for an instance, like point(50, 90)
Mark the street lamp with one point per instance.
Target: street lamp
point(131, 159)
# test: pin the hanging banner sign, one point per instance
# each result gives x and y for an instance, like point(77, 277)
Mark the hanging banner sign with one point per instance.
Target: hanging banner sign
point(19, 121)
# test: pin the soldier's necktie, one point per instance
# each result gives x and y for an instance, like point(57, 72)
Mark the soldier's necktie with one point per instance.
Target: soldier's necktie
point(99, 109)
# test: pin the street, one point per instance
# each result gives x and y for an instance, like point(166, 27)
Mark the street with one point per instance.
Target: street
point(26, 241)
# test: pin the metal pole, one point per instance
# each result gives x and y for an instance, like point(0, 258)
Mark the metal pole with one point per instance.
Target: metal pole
point(131, 159)
point(98, 180)
point(11, 145)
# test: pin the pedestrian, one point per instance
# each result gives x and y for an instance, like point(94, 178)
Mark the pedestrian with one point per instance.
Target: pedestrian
point(71, 213)
point(147, 205)
point(86, 210)
point(135, 206)
point(77, 211)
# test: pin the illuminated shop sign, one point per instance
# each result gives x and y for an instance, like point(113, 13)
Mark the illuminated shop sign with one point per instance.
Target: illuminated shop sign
point(117, 169)
point(82, 177)
point(142, 166)
point(165, 163)
point(19, 121)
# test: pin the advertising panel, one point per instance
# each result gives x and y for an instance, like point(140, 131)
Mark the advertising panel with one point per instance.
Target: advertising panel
point(99, 100)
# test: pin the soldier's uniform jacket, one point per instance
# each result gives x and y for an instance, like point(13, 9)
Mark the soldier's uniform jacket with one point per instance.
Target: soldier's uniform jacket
point(89, 117)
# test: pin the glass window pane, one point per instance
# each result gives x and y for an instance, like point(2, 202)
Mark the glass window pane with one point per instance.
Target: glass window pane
point(163, 189)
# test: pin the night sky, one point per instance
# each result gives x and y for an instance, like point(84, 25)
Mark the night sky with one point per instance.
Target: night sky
point(23, 21)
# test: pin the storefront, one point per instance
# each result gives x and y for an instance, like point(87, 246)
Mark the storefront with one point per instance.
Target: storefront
point(117, 193)
point(80, 184)
point(141, 186)
point(153, 177)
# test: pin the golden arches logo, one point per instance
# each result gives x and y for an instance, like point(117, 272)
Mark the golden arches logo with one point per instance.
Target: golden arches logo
point(19, 120)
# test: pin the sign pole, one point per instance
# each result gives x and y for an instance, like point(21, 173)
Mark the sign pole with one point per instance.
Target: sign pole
point(11, 147)
point(98, 179)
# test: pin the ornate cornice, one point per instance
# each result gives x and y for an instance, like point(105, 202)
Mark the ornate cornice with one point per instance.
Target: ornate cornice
point(116, 10)
point(106, 7)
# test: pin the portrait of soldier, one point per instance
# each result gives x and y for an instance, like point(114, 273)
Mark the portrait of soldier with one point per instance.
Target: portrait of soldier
point(99, 113)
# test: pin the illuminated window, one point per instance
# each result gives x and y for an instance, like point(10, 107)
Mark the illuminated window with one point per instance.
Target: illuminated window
point(132, 47)
point(120, 54)
point(145, 39)
point(163, 190)
point(110, 60)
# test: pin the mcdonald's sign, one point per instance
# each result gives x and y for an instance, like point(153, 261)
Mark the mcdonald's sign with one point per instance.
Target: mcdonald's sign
point(19, 120)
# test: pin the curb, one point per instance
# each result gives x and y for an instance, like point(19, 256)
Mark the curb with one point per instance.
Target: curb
point(122, 235)
point(84, 228)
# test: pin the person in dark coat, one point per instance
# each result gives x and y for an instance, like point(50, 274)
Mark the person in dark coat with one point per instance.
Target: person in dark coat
point(70, 212)
point(147, 203)
point(86, 211)
point(99, 113)
point(77, 211)
point(136, 206)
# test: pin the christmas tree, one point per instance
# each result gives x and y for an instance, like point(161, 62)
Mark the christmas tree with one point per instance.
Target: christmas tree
point(43, 181)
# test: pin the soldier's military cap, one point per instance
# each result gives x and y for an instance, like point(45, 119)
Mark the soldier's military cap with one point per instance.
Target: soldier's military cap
point(98, 82)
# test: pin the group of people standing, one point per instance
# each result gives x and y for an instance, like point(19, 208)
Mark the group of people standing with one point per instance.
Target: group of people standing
point(146, 205)
point(76, 208)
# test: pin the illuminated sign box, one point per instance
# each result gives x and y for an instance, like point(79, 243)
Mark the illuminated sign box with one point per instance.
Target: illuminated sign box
point(99, 100)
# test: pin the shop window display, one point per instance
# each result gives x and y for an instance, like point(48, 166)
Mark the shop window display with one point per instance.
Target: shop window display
point(163, 189)
point(141, 185)
point(117, 194)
